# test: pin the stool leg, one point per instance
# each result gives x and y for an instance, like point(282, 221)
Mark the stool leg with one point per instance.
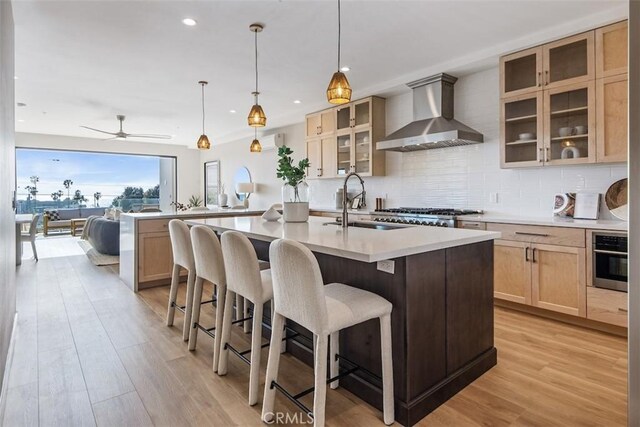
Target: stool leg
point(277, 322)
point(334, 365)
point(173, 293)
point(387, 369)
point(256, 347)
point(221, 295)
point(245, 313)
point(35, 251)
point(283, 344)
point(188, 306)
point(226, 332)
point(239, 307)
point(195, 314)
point(320, 392)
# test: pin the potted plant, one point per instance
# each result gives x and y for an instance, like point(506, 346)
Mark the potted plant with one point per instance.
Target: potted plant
point(295, 191)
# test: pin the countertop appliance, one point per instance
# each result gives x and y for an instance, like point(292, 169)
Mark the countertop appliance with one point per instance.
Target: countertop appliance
point(433, 124)
point(435, 217)
point(610, 261)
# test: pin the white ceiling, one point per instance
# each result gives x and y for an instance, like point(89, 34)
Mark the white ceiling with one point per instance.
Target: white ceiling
point(83, 62)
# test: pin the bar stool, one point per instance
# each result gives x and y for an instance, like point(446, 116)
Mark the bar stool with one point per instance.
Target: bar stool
point(182, 257)
point(244, 279)
point(300, 295)
point(209, 265)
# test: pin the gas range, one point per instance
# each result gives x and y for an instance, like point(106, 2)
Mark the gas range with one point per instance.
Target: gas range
point(435, 217)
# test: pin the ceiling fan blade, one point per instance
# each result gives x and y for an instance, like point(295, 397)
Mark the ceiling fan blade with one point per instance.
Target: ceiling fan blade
point(98, 130)
point(140, 135)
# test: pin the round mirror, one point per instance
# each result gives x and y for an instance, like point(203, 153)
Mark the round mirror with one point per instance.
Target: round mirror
point(242, 176)
point(616, 199)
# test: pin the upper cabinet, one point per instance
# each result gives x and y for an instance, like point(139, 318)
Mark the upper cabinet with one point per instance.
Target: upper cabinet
point(358, 125)
point(566, 102)
point(320, 124)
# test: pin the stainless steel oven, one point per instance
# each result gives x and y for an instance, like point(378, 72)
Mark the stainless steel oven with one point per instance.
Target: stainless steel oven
point(610, 261)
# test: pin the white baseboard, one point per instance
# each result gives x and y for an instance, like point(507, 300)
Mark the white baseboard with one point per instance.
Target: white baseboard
point(7, 368)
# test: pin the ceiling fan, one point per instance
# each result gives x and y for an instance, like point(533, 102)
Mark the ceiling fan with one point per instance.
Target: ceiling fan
point(123, 135)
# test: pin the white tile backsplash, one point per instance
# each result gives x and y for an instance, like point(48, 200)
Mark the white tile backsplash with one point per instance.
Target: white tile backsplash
point(465, 177)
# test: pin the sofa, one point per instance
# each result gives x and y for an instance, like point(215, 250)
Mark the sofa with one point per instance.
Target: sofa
point(61, 218)
point(104, 235)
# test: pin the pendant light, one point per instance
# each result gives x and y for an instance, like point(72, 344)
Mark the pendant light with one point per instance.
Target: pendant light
point(339, 91)
point(256, 116)
point(203, 141)
point(255, 147)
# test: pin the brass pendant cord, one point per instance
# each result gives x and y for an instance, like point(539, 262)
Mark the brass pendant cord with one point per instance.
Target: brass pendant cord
point(203, 107)
point(256, 51)
point(339, 34)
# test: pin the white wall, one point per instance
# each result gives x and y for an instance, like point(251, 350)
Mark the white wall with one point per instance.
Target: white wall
point(464, 177)
point(262, 166)
point(188, 160)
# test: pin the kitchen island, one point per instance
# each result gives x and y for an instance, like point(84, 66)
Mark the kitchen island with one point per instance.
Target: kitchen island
point(440, 282)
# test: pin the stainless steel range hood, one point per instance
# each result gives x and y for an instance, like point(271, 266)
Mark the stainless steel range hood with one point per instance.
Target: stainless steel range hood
point(433, 125)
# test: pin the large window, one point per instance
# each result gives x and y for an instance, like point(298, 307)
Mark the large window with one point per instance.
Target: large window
point(55, 179)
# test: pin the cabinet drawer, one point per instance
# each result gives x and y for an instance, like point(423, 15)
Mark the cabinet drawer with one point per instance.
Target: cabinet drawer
point(472, 225)
point(540, 234)
point(607, 306)
point(153, 225)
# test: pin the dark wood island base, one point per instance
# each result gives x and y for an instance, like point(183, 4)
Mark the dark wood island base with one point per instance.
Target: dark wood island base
point(442, 325)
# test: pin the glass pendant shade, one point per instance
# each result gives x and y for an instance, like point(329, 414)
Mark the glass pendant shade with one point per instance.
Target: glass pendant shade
point(203, 142)
point(256, 147)
point(257, 117)
point(339, 90)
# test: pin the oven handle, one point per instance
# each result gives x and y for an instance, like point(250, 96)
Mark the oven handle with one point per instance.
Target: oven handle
point(602, 251)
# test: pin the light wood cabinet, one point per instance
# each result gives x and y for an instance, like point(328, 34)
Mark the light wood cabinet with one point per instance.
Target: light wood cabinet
point(612, 118)
point(565, 102)
point(357, 127)
point(541, 266)
point(321, 123)
point(607, 306)
point(155, 258)
point(612, 50)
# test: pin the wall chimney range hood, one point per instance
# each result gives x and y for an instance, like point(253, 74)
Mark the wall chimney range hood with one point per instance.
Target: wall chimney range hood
point(433, 125)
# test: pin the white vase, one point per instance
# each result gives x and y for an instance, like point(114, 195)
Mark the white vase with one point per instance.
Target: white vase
point(223, 199)
point(295, 211)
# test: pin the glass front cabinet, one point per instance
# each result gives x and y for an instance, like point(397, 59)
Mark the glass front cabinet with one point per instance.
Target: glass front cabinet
point(557, 98)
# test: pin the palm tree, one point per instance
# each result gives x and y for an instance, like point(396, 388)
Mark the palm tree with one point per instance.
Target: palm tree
point(34, 190)
point(96, 198)
point(67, 184)
point(78, 197)
point(55, 196)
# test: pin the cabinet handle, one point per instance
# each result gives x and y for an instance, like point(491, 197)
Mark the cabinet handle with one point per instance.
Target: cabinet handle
point(602, 251)
point(546, 73)
point(534, 255)
point(547, 157)
point(319, 171)
point(524, 233)
point(623, 310)
point(526, 254)
point(541, 156)
point(539, 78)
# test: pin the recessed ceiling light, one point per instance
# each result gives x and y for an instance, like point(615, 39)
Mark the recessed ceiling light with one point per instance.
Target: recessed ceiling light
point(15, 77)
point(297, 101)
point(21, 120)
point(232, 111)
point(189, 22)
point(345, 69)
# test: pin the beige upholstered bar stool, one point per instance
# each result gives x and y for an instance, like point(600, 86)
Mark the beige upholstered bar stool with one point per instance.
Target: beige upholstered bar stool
point(182, 257)
point(300, 295)
point(209, 263)
point(244, 279)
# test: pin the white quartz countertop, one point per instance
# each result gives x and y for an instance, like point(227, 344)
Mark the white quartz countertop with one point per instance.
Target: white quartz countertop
point(361, 244)
point(212, 212)
point(598, 224)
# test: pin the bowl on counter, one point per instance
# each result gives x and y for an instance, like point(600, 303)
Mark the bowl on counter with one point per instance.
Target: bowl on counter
point(526, 136)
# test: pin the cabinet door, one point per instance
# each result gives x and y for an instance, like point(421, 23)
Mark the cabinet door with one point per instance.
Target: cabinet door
point(607, 306)
point(155, 259)
point(343, 153)
point(569, 124)
point(611, 115)
point(512, 271)
point(361, 114)
point(313, 122)
point(328, 149)
point(343, 117)
point(559, 279)
point(314, 154)
point(522, 141)
point(521, 72)
point(327, 122)
point(612, 48)
point(570, 60)
point(362, 152)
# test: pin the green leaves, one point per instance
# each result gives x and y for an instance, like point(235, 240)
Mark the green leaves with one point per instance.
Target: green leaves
point(286, 169)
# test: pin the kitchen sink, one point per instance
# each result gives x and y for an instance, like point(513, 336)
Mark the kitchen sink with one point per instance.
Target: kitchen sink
point(370, 225)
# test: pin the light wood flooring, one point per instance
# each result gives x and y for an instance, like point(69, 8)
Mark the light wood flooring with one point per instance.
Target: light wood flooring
point(89, 351)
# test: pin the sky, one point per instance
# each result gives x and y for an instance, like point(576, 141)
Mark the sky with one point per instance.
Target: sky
point(90, 172)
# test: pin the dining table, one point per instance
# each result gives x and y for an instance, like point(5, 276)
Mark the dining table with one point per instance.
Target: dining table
point(20, 220)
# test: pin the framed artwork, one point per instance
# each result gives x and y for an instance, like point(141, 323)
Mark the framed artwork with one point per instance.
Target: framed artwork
point(211, 182)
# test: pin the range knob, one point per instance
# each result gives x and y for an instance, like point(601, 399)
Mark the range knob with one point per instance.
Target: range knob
point(424, 223)
point(444, 224)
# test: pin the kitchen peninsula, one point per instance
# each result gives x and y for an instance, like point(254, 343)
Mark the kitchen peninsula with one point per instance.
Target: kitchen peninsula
point(145, 248)
point(440, 282)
